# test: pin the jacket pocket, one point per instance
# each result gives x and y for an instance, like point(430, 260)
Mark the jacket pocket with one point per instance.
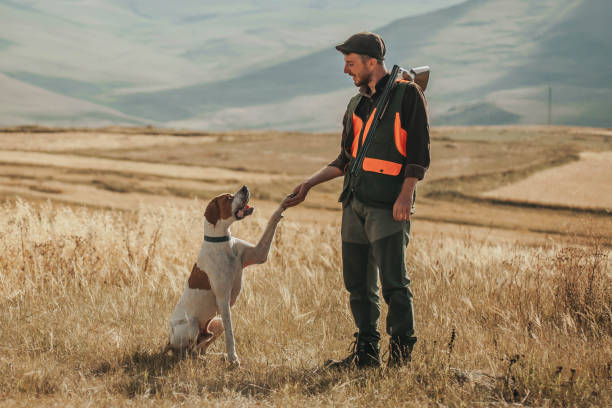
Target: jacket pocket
point(388, 168)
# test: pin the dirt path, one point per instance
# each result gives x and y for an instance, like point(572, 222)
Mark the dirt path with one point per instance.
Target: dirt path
point(134, 167)
point(586, 183)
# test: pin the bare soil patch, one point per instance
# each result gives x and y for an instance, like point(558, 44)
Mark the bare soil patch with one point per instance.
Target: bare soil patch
point(585, 183)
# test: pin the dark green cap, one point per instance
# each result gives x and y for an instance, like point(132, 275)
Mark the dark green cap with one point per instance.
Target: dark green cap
point(364, 43)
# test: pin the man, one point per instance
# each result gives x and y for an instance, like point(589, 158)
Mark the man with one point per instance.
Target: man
point(377, 201)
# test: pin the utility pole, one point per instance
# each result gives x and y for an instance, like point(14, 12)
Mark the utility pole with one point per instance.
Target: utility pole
point(549, 105)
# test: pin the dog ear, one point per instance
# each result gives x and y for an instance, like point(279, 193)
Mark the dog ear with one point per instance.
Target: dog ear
point(213, 212)
point(225, 207)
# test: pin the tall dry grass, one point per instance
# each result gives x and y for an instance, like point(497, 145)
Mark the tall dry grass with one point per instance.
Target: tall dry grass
point(85, 297)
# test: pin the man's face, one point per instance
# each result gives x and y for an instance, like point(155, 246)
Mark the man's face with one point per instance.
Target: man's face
point(360, 71)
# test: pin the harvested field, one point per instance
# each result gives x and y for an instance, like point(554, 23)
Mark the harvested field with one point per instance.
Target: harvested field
point(132, 167)
point(99, 229)
point(586, 183)
point(71, 140)
point(124, 168)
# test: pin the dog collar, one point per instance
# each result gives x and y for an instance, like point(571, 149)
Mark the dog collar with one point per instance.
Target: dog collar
point(216, 239)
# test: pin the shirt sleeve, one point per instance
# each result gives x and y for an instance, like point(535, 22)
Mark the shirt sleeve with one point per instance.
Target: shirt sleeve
point(342, 160)
point(415, 120)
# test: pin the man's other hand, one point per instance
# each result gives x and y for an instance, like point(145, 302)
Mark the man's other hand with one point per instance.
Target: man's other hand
point(402, 208)
point(403, 203)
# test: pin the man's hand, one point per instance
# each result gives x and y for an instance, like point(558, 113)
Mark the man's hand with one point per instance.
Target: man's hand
point(402, 208)
point(283, 205)
point(403, 203)
point(298, 195)
point(301, 190)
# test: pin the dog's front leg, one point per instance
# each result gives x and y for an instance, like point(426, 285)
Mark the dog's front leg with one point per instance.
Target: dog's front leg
point(258, 254)
point(223, 305)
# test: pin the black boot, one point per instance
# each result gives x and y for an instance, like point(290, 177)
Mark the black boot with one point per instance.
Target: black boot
point(400, 351)
point(363, 355)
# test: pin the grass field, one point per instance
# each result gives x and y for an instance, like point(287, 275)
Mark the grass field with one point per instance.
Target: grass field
point(512, 301)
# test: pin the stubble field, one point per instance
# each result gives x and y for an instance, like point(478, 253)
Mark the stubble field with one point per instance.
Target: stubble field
point(512, 299)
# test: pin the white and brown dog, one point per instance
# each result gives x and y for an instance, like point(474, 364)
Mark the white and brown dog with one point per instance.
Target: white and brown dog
point(216, 277)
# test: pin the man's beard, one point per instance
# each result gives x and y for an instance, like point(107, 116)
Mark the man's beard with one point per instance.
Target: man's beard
point(364, 81)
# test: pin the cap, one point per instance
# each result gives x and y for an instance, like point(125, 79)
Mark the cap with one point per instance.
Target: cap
point(364, 43)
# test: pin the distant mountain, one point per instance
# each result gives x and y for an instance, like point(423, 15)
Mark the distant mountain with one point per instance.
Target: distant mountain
point(21, 103)
point(492, 63)
point(97, 49)
point(259, 66)
point(314, 74)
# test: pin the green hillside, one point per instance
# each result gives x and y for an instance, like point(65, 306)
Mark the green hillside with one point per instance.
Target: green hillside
point(492, 63)
point(99, 50)
point(202, 66)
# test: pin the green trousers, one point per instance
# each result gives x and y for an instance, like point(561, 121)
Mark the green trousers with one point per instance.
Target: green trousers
point(373, 248)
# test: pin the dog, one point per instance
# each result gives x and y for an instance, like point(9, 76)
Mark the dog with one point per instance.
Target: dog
point(215, 280)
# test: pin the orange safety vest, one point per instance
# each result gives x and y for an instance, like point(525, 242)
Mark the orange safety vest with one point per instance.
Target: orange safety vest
point(381, 179)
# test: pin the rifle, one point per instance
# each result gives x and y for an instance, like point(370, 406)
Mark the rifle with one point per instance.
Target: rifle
point(419, 75)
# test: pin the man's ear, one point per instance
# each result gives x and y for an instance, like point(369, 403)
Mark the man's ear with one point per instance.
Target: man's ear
point(372, 62)
point(212, 212)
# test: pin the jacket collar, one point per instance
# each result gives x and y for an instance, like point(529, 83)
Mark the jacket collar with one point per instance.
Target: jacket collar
point(380, 85)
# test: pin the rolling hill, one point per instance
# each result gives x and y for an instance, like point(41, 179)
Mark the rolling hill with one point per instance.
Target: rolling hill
point(201, 66)
point(492, 63)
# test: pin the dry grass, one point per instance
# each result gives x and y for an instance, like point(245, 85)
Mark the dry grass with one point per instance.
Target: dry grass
point(85, 296)
point(86, 292)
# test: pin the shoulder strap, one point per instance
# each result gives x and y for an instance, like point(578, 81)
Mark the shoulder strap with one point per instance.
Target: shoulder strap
point(397, 96)
point(350, 110)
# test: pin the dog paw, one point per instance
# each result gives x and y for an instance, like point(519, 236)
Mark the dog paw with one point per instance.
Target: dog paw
point(234, 362)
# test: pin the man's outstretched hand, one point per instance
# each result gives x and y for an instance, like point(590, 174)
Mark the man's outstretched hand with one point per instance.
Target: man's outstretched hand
point(301, 190)
point(298, 195)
